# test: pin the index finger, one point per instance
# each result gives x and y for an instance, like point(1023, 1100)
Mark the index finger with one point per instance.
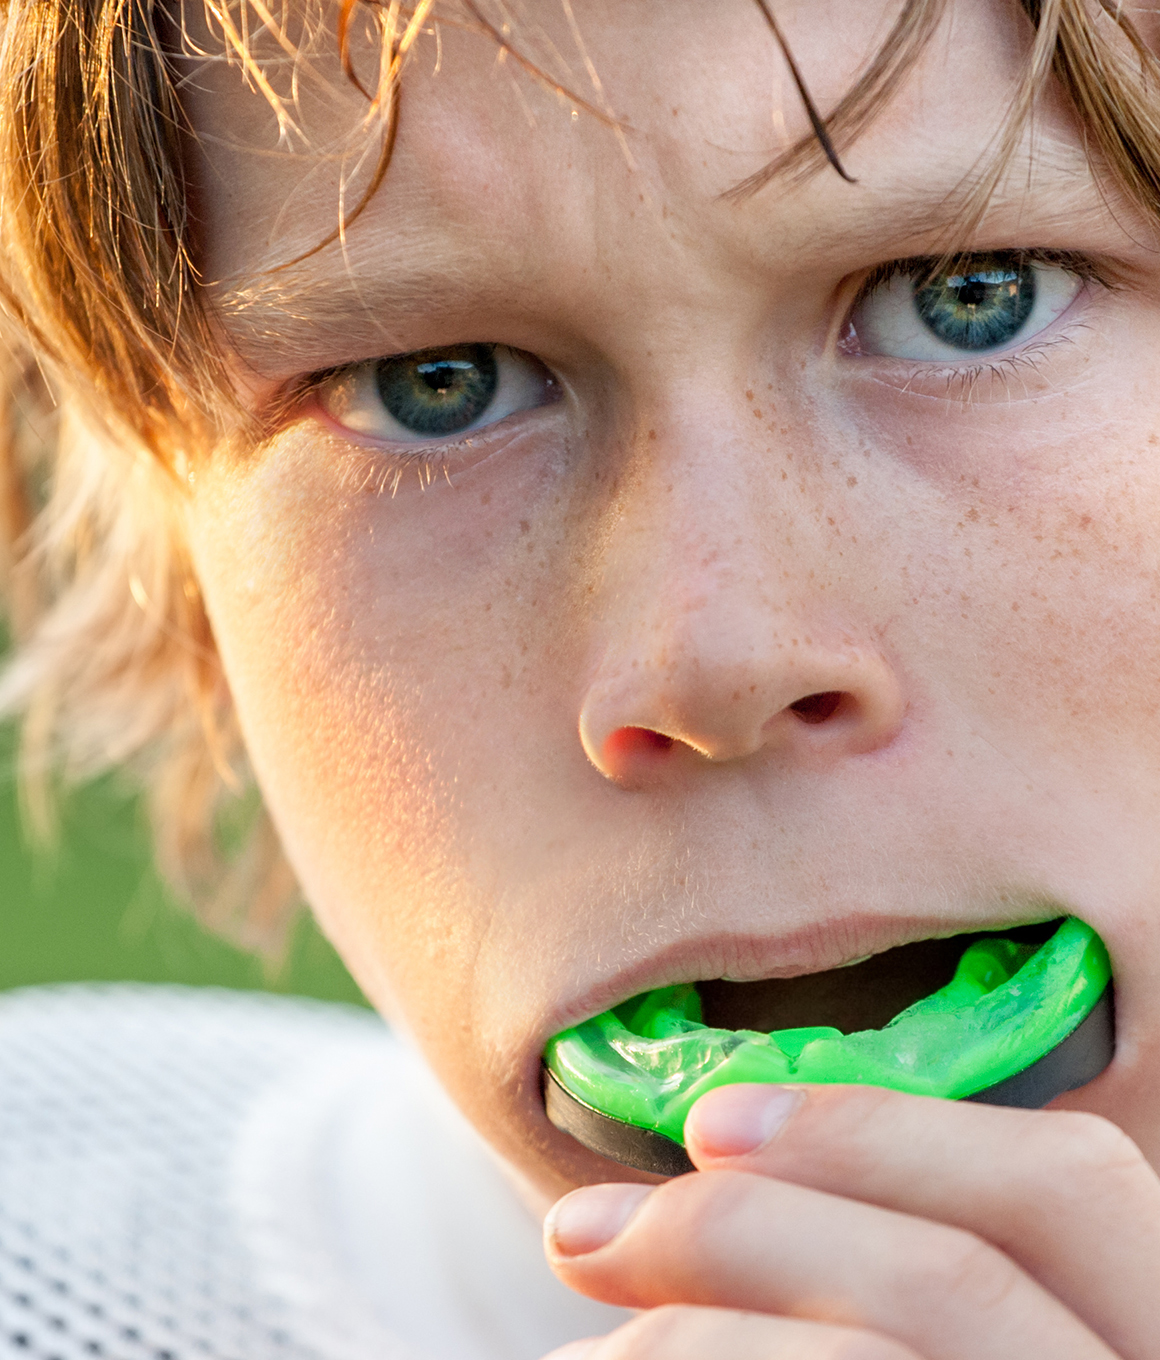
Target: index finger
point(1066, 1195)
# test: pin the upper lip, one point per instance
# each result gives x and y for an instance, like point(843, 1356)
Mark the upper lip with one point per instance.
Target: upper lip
point(750, 956)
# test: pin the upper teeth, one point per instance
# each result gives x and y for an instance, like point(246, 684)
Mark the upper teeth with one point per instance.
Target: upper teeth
point(729, 977)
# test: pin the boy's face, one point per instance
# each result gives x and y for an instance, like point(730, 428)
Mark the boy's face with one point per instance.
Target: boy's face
point(736, 490)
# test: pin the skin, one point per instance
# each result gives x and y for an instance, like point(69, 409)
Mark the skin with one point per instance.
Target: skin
point(729, 509)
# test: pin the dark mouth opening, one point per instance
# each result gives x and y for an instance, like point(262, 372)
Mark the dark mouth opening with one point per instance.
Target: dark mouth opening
point(861, 996)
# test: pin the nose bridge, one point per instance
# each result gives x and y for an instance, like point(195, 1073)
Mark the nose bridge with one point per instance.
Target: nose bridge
point(699, 594)
point(699, 602)
point(722, 606)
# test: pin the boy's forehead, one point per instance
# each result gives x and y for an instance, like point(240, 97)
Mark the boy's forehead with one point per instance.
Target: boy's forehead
point(495, 179)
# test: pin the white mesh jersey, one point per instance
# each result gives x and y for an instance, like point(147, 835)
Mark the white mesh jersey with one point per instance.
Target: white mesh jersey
point(191, 1174)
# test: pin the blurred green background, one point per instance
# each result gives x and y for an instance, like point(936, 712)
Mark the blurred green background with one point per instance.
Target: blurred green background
point(92, 908)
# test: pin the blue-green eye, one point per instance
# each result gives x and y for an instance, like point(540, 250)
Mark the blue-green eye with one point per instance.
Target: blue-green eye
point(982, 307)
point(979, 305)
point(436, 394)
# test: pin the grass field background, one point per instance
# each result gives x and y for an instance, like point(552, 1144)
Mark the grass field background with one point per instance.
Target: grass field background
point(92, 908)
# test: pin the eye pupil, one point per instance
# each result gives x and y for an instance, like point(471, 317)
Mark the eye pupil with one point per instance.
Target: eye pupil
point(441, 374)
point(972, 293)
point(439, 392)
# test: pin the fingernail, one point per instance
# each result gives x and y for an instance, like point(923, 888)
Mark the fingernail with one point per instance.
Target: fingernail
point(590, 1218)
point(734, 1120)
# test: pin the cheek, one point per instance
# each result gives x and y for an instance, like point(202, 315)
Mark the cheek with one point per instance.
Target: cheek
point(396, 665)
point(1030, 561)
point(1081, 643)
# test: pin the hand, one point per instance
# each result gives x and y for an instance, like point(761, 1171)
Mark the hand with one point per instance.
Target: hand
point(854, 1223)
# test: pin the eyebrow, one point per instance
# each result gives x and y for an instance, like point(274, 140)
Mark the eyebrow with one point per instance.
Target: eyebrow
point(352, 303)
point(1057, 191)
point(343, 297)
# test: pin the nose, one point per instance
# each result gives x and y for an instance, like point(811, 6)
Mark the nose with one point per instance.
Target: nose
point(822, 701)
point(710, 655)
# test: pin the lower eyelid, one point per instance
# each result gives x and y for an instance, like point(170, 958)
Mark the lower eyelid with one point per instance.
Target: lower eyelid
point(438, 455)
point(1017, 372)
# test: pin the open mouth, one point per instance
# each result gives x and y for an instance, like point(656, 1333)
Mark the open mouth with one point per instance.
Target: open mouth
point(860, 996)
point(1015, 1018)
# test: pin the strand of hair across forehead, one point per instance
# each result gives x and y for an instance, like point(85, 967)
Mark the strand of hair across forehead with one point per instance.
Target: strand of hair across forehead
point(870, 92)
point(384, 100)
point(908, 36)
point(1112, 80)
point(383, 103)
point(1115, 90)
point(1092, 47)
point(817, 123)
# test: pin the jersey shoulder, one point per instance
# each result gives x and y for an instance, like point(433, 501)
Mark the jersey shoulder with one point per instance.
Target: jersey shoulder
point(122, 1111)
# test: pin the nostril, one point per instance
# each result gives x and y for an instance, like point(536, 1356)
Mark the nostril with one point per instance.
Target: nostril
point(635, 741)
point(818, 708)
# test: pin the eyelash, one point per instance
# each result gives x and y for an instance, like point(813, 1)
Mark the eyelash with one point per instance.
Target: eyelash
point(380, 472)
point(1084, 267)
point(966, 378)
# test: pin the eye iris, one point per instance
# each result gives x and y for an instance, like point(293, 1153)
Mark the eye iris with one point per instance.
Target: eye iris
point(439, 392)
point(979, 308)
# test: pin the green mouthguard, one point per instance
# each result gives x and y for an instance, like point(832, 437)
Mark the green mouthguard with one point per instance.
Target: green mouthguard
point(646, 1062)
